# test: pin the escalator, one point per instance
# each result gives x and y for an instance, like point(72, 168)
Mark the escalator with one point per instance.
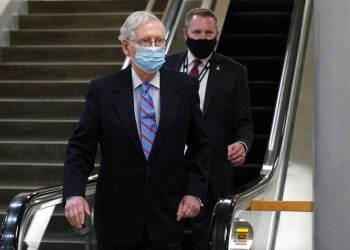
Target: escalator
point(253, 35)
point(235, 224)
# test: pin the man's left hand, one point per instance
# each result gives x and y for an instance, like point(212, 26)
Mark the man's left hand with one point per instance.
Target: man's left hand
point(189, 206)
point(236, 153)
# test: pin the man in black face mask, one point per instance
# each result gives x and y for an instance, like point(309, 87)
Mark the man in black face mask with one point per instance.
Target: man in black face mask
point(225, 103)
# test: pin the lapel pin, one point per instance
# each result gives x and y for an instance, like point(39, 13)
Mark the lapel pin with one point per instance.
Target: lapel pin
point(218, 67)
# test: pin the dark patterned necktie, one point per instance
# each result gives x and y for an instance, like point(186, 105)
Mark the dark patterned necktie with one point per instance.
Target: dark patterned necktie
point(148, 128)
point(195, 71)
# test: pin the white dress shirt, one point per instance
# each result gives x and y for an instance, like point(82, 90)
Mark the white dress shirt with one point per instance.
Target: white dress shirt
point(203, 83)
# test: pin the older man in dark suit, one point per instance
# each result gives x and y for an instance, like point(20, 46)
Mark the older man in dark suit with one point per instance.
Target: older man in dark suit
point(142, 118)
point(225, 102)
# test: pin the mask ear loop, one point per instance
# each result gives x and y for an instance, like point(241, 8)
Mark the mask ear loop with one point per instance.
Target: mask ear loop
point(129, 56)
point(126, 51)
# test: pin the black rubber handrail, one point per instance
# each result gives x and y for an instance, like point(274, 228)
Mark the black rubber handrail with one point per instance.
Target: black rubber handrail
point(279, 143)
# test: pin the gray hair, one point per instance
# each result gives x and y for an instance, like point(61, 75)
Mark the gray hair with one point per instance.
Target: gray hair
point(127, 31)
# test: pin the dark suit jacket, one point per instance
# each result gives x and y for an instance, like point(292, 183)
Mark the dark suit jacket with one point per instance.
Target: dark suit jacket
point(133, 193)
point(227, 115)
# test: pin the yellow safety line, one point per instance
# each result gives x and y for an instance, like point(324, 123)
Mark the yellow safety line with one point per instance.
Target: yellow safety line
point(292, 206)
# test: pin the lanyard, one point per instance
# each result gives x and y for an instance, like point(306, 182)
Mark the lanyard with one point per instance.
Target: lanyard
point(203, 71)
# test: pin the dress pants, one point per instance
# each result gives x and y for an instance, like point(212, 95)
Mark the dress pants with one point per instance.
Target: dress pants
point(144, 244)
point(201, 224)
point(109, 246)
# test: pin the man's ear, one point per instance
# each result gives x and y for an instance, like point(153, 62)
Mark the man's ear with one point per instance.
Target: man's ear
point(125, 46)
point(184, 33)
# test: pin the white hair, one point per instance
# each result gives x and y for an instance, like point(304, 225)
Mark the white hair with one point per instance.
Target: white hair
point(127, 31)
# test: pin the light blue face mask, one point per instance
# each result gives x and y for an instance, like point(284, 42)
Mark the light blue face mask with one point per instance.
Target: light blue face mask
point(149, 59)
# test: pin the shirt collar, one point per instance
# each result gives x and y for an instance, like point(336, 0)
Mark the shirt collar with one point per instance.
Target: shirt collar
point(191, 58)
point(136, 81)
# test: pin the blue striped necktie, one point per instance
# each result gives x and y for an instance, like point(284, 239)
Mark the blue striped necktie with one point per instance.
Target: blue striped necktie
point(148, 126)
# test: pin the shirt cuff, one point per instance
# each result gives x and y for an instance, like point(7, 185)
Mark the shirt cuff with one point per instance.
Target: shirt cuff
point(244, 145)
point(200, 202)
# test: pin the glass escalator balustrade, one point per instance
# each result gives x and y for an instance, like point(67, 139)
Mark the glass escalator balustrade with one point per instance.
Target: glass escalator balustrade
point(45, 226)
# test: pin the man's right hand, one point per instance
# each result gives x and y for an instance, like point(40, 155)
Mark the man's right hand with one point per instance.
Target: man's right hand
point(75, 210)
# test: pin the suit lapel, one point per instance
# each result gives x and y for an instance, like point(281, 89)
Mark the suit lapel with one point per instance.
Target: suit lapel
point(123, 103)
point(213, 78)
point(213, 81)
point(169, 100)
point(177, 62)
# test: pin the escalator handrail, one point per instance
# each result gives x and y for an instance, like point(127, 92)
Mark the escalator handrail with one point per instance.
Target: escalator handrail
point(280, 134)
point(290, 74)
point(18, 210)
point(276, 138)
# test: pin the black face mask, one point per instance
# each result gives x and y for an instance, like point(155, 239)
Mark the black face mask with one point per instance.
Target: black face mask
point(201, 48)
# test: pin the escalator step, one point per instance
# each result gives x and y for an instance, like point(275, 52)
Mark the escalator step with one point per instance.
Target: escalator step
point(12, 89)
point(258, 22)
point(253, 44)
point(262, 119)
point(255, 34)
point(76, 6)
point(262, 68)
point(96, 37)
point(70, 53)
point(263, 93)
point(56, 71)
point(261, 5)
point(257, 152)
